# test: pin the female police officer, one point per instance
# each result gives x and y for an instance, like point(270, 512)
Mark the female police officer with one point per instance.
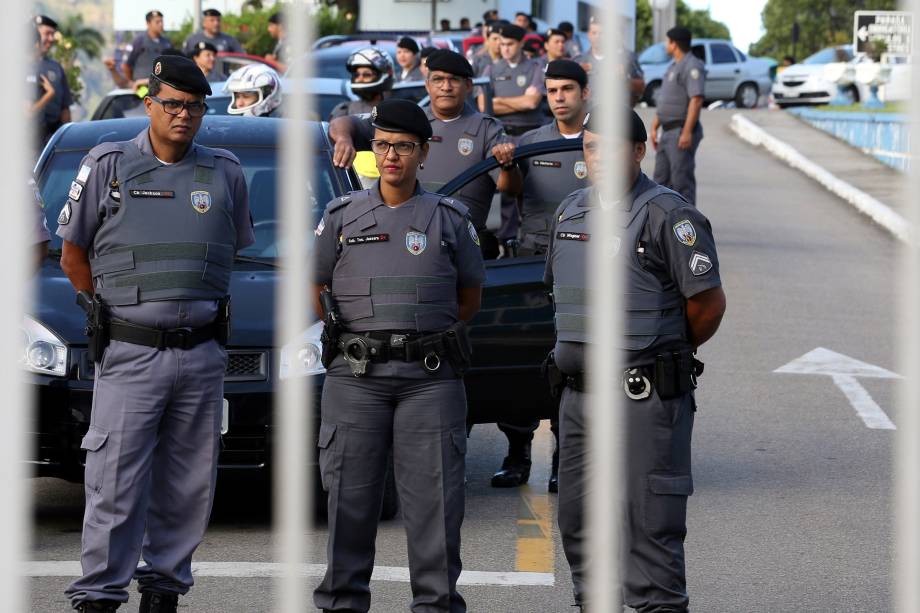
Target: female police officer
point(405, 270)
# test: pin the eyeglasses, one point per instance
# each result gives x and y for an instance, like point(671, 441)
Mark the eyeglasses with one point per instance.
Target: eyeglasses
point(174, 107)
point(440, 81)
point(402, 148)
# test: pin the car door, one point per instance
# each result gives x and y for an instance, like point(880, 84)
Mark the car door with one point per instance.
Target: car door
point(723, 71)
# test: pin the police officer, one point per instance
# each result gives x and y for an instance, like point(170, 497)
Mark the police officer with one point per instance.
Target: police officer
point(680, 101)
point(371, 78)
point(40, 234)
point(461, 138)
point(408, 60)
point(204, 54)
point(151, 227)
point(491, 49)
point(554, 46)
point(405, 269)
point(56, 112)
point(146, 47)
point(673, 304)
point(210, 33)
point(276, 29)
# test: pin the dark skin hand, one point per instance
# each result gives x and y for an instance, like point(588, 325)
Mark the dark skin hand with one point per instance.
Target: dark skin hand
point(75, 264)
point(704, 314)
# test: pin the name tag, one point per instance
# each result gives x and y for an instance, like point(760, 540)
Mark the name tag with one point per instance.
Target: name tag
point(547, 164)
point(573, 236)
point(151, 193)
point(370, 238)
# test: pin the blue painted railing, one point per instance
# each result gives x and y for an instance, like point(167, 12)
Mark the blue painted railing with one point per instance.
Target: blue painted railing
point(886, 136)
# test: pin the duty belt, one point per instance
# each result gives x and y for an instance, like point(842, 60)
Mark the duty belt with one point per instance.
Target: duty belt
point(672, 125)
point(178, 338)
point(672, 374)
point(361, 349)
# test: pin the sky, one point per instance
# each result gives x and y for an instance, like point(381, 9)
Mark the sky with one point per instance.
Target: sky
point(741, 16)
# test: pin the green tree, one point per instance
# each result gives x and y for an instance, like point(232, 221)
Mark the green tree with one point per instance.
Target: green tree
point(73, 41)
point(698, 21)
point(822, 23)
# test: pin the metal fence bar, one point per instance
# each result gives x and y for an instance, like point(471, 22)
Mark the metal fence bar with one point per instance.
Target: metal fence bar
point(293, 407)
point(606, 449)
point(907, 442)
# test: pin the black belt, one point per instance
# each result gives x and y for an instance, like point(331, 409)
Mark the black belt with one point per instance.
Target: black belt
point(672, 125)
point(387, 346)
point(179, 338)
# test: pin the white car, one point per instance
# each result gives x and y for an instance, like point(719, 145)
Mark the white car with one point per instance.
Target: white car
point(730, 74)
point(805, 82)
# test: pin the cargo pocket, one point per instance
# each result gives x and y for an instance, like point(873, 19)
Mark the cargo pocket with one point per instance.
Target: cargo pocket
point(666, 505)
point(458, 440)
point(94, 445)
point(326, 453)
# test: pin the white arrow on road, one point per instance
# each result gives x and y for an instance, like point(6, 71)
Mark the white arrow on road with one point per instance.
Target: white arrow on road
point(844, 371)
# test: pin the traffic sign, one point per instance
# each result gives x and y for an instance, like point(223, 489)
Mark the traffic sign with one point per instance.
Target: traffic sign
point(893, 28)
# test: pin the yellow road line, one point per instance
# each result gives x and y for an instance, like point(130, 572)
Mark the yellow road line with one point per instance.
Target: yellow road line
point(535, 549)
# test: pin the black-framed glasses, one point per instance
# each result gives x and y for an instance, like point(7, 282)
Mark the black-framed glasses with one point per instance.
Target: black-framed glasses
point(174, 107)
point(402, 148)
point(440, 81)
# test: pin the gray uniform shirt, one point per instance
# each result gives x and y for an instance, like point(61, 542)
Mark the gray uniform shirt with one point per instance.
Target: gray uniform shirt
point(512, 81)
point(351, 107)
point(224, 43)
point(92, 204)
point(414, 74)
point(548, 179)
point(676, 244)
point(143, 51)
point(682, 80)
point(62, 99)
point(481, 61)
point(454, 147)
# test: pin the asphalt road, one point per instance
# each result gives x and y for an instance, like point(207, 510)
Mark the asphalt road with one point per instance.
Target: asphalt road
point(793, 495)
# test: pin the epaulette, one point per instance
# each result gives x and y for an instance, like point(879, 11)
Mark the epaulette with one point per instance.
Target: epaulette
point(223, 153)
point(461, 208)
point(338, 203)
point(103, 149)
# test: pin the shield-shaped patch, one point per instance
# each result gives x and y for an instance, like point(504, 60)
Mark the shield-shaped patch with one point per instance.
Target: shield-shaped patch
point(465, 146)
point(521, 80)
point(685, 232)
point(201, 201)
point(416, 242)
point(581, 169)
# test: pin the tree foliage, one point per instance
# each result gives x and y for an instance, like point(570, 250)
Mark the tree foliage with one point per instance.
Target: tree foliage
point(73, 41)
point(822, 23)
point(698, 21)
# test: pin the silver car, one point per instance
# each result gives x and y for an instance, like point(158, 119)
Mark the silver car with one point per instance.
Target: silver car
point(730, 74)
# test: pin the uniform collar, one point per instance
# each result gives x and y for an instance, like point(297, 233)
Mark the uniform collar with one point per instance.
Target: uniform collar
point(466, 112)
point(142, 141)
point(640, 186)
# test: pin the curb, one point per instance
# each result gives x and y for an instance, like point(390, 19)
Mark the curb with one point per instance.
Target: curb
point(879, 212)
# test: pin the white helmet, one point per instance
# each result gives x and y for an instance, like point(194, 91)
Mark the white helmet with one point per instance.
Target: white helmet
point(257, 78)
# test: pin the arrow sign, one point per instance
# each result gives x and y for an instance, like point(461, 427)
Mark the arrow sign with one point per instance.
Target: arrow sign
point(863, 34)
point(844, 370)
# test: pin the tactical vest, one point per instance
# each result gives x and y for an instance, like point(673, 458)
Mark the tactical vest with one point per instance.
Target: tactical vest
point(645, 299)
point(173, 237)
point(509, 82)
point(395, 268)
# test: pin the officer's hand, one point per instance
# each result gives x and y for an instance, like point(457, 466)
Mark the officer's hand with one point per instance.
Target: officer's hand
point(686, 140)
point(654, 135)
point(530, 91)
point(109, 63)
point(504, 154)
point(344, 153)
point(46, 85)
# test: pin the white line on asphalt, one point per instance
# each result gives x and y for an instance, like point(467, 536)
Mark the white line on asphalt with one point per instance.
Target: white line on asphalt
point(867, 409)
point(881, 213)
point(249, 570)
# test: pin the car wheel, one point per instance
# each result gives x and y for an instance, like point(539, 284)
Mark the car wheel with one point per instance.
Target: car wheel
point(747, 95)
point(651, 93)
point(390, 498)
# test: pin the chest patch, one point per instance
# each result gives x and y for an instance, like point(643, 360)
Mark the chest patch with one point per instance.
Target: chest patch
point(465, 146)
point(521, 80)
point(367, 239)
point(573, 236)
point(547, 164)
point(201, 201)
point(581, 169)
point(416, 242)
point(152, 193)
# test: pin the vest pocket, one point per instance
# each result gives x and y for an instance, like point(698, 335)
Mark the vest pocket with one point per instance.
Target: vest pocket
point(442, 292)
point(353, 297)
point(216, 276)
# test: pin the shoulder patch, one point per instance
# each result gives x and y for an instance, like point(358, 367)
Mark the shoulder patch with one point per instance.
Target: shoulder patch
point(104, 149)
point(459, 207)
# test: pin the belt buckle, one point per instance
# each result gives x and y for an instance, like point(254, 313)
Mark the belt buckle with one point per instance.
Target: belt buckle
point(398, 340)
point(182, 337)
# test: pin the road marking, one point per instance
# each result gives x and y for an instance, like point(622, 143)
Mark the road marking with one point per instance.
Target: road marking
point(535, 551)
point(247, 570)
point(843, 371)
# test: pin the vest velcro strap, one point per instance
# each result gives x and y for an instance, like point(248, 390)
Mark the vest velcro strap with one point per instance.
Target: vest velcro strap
point(112, 262)
point(570, 322)
point(403, 312)
point(650, 301)
point(654, 326)
point(570, 295)
point(403, 285)
point(155, 281)
point(119, 296)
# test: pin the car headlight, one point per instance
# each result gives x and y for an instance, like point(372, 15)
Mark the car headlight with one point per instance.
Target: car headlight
point(43, 351)
point(301, 357)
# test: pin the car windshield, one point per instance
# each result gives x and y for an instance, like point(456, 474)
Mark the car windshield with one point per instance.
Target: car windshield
point(260, 167)
point(654, 55)
point(829, 55)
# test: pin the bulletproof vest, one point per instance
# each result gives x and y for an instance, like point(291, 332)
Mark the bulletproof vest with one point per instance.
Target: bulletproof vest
point(509, 82)
point(550, 179)
point(672, 97)
point(173, 237)
point(652, 312)
point(395, 268)
point(456, 146)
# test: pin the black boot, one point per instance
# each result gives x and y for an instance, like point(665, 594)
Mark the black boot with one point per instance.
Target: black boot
point(158, 602)
point(98, 606)
point(515, 469)
point(553, 486)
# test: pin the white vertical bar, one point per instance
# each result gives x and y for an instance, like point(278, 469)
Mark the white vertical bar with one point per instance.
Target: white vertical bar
point(606, 277)
point(293, 407)
point(16, 155)
point(907, 450)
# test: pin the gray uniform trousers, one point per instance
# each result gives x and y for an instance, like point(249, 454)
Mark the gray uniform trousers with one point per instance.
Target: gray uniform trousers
point(151, 467)
point(658, 483)
point(423, 422)
point(675, 168)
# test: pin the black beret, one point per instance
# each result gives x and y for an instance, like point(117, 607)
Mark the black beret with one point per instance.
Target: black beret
point(181, 73)
point(408, 43)
point(566, 26)
point(555, 32)
point(276, 18)
point(426, 51)
point(566, 69)
point(202, 45)
point(152, 14)
point(680, 34)
point(637, 133)
point(211, 13)
point(44, 20)
point(399, 115)
point(495, 27)
point(509, 30)
point(450, 62)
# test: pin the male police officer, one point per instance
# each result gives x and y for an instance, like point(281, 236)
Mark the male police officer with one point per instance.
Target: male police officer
point(673, 304)
point(210, 33)
point(146, 47)
point(680, 101)
point(461, 138)
point(371, 78)
point(57, 112)
point(151, 226)
point(491, 49)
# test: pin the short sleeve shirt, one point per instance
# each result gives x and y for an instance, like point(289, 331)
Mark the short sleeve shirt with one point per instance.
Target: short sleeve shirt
point(682, 81)
point(62, 99)
point(143, 51)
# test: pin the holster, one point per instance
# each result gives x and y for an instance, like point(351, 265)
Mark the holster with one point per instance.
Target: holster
point(332, 330)
point(458, 348)
point(676, 373)
point(554, 377)
point(97, 324)
point(222, 325)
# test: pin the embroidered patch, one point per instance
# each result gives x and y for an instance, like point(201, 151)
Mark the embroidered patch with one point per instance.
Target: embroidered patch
point(201, 201)
point(581, 169)
point(158, 69)
point(83, 175)
point(521, 80)
point(573, 236)
point(473, 234)
point(695, 73)
point(115, 194)
point(671, 76)
point(64, 217)
point(76, 190)
point(151, 193)
point(700, 264)
point(319, 229)
point(685, 232)
point(547, 164)
point(367, 239)
point(465, 146)
point(416, 242)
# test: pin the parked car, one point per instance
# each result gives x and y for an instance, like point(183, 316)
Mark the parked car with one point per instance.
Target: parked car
point(805, 82)
point(331, 53)
point(730, 74)
point(227, 61)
